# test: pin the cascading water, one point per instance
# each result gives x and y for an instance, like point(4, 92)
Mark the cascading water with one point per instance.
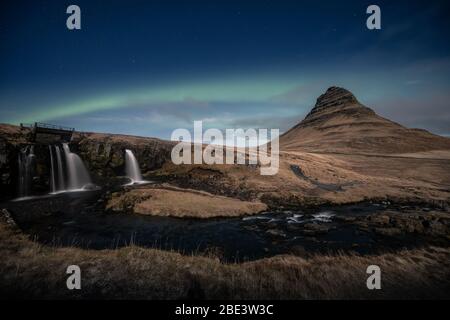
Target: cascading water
point(53, 172)
point(26, 170)
point(78, 176)
point(132, 168)
point(57, 171)
point(61, 184)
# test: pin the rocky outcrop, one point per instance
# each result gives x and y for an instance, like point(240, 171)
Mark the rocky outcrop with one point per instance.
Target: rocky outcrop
point(12, 140)
point(6, 216)
point(332, 101)
point(103, 154)
point(7, 167)
point(394, 223)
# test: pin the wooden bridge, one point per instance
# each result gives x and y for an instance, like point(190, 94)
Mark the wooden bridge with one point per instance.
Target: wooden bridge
point(48, 133)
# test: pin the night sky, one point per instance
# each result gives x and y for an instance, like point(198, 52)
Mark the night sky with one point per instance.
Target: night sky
point(148, 67)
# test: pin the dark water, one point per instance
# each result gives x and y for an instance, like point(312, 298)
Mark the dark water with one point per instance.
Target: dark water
point(79, 219)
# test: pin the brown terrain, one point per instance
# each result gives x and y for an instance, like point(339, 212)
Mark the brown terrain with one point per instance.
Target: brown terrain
point(166, 200)
point(342, 152)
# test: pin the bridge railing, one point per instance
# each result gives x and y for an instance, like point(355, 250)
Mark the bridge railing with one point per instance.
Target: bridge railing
point(52, 126)
point(27, 125)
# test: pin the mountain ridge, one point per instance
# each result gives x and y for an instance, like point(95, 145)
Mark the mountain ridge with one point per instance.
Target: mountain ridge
point(340, 123)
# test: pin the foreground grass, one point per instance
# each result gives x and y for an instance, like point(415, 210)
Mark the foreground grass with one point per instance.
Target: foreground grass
point(30, 270)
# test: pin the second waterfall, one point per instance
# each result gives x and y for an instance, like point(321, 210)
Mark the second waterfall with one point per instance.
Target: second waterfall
point(132, 168)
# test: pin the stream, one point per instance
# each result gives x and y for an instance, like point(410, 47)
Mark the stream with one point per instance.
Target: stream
point(79, 219)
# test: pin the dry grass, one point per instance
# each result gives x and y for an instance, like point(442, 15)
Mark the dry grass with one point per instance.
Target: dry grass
point(29, 270)
point(360, 177)
point(176, 202)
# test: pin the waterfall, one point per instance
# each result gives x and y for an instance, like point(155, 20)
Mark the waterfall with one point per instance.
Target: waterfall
point(132, 167)
point(78, 176)
point(53, 172)
point(61, 184)
point(75, 178)
point(57, 174)
point(26, 170)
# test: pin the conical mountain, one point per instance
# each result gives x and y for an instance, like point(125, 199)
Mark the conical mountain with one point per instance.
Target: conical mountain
point(340, 123)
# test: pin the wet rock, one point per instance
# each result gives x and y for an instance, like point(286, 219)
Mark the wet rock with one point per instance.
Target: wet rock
point(409, 224)
point(90, 186)
point(315, 228)
point(5, 178)
point(272, 223)
point(252, 228)
point(345, 218)
point(294, 226)
point(390, 232)
point(276, 233)
point(362, 224)
point(381, 219)
point(299, 250)
point(436, 228)
point(7, 217)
